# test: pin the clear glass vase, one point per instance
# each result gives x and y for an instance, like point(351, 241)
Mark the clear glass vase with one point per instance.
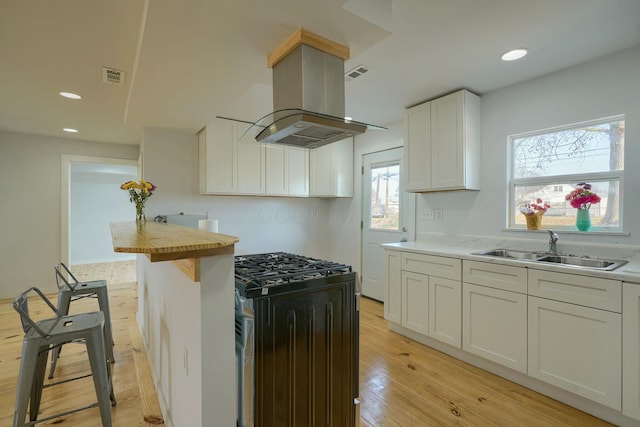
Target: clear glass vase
point(140, 213)
point(583, 220)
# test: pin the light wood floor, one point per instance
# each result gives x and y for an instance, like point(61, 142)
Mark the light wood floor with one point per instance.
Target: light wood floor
point(402, 383)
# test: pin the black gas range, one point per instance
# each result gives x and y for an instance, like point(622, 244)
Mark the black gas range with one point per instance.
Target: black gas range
point(277, 272)
point(297, 322)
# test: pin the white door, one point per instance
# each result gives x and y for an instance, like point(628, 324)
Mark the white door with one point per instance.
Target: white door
point(388, 215)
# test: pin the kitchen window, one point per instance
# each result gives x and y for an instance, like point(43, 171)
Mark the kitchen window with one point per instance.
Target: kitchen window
point(548, 164)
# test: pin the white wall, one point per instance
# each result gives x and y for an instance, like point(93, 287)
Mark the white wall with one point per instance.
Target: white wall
point(343, 226)
point(30, 205)
point(263, 224)
point(601, 88)
point(96, 201)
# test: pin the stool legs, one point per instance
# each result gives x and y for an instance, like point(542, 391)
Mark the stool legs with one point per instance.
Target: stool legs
point(103, 303)
point(28, 363)
point(38, 383)
point(101, 377)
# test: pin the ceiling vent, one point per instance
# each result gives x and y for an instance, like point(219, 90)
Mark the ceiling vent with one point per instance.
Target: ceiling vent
point(113, 76)
point(355, 72)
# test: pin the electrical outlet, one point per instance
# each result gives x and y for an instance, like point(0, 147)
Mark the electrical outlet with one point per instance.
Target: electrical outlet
point(427, 215)
point(439, 214)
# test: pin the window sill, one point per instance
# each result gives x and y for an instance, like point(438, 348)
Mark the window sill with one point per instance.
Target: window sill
point(593, 231)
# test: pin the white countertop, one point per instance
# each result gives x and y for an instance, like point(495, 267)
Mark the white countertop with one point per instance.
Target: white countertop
point(464, 247)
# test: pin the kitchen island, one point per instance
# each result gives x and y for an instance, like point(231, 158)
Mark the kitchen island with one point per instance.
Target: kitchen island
point(186, 317)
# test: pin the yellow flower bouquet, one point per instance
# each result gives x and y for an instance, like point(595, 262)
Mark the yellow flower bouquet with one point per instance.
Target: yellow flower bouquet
point(139, 192)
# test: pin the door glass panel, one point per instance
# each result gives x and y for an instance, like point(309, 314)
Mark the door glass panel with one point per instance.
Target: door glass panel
point(384, 205)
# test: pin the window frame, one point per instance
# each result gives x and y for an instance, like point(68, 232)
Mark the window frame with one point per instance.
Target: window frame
point(616, 175)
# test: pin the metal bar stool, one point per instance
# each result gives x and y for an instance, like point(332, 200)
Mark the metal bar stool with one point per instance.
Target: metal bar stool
point(44, 335)
point(73, 291)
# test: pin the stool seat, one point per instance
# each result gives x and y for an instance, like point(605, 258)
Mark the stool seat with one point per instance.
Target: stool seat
point(44, 335)
point(73, 290)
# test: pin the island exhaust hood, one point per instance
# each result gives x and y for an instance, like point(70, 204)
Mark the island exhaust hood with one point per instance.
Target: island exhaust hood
point(308, 94)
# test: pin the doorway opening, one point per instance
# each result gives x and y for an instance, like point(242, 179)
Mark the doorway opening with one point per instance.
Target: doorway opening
point(91, 200)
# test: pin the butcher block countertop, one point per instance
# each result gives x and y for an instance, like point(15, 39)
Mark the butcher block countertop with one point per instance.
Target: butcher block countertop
point(168, 242)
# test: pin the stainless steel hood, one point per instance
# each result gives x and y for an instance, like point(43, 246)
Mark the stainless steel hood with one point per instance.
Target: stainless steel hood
point(306, 129)
point(308, 95)
point(308, 100)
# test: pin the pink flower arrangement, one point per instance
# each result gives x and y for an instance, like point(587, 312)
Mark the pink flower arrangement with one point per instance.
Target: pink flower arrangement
point(539, 207)
point(582, 197)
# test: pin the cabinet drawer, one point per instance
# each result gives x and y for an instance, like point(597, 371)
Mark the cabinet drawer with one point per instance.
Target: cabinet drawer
point(448, 268)
point(593, 292)
point(497, 276)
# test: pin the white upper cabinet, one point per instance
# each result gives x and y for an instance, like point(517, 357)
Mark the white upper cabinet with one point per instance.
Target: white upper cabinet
point(228, 166)
point(442, 143)
point(298, 168)
point(331, 169)
point(287, 171)
point(232, 164)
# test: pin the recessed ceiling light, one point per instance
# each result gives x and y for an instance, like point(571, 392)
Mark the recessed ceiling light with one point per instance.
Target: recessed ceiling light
point(70, 95)
point(70, 130)
point(514, 54)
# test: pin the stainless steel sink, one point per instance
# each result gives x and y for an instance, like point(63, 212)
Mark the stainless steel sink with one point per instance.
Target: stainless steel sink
point(512, 253)
point(584, 262)
point(580, 262)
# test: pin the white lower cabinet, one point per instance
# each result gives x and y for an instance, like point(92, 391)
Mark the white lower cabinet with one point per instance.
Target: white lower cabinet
point(631, 350)
point(494, 315)
point(445, 310)
point(494, 325)
point(431, 306)
point(415, 302)
point(579, 333)
point(393, 279)
point(429, 290)
point(576, 348)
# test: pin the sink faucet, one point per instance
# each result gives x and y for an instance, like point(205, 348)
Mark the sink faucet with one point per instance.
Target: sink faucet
point(553, 238)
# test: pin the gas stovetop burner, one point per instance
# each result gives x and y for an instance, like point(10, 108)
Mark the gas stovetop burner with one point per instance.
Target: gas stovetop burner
point(282, 269)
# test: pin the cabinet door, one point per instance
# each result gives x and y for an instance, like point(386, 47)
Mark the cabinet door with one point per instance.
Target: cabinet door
point(631, 350)
point(577, 349)
point(418, 147)
point(298, 166)
point(331, 169)
point(321, 173)
point(277, 172)
point(494, 325)
point(415, 302)
point(218, 160)
point(342, 159)
point(251, 163)
point(447, 149)
point(393, 301)
point(445, 310)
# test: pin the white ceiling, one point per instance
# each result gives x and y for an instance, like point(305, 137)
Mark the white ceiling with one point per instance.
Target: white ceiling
point(190, 60)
